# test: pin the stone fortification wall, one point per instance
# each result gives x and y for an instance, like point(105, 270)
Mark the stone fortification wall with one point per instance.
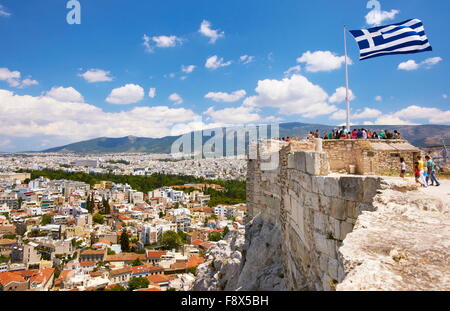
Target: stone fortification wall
point(314, 211)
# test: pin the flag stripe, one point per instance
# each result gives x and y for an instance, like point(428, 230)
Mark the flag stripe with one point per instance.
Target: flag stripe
point(426, 47)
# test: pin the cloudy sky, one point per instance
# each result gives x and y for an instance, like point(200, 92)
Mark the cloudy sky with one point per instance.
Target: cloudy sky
point(158, 68)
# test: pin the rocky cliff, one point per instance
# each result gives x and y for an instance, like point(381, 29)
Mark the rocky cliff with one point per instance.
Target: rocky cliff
point(313, 230)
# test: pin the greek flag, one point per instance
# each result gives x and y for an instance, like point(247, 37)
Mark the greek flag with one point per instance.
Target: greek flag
point(402, 38)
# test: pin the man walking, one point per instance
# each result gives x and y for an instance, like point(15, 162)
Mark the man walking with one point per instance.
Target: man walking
point(431, 168)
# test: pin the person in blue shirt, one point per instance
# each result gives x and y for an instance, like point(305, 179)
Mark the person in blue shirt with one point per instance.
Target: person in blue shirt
point(431, 168)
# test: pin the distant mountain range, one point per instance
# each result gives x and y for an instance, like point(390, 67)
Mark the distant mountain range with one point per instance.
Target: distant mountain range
point(418, 135)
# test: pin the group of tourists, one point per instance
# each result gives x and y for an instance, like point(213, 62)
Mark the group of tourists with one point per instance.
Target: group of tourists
point(424, 171)
point(361, 133)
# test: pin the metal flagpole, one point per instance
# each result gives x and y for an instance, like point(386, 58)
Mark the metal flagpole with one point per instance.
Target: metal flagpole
point(347, 99)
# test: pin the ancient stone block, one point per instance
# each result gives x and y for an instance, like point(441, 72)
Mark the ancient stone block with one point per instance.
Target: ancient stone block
point(291, 161)
point(312, 163)
point(332, 187)
point(319, 222)
point(300, 161)
point(338, 209)
point(371, 185)
point(352, 188)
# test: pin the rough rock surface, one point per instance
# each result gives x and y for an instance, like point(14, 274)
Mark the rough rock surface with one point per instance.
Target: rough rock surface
point(222, 265)
point(403, 245)
point(245, 260)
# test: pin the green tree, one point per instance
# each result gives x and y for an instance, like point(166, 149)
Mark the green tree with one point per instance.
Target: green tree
point(183, 236)
point(136, 262)
point(225, 231)
point(137, 283)
point(106, 207)
point(124, 241)
point(215, 236)
point(97, 218)
point(170, 240)
point(46, 219)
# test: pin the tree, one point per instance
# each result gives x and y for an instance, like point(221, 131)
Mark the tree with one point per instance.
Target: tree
point(106, 207)
point(171, 240)
point(183, 236)
point(225, 231)
point(46, 219)
point(137, 283)
point(215, 236)
point(136, 262)
point(97, 218)
point(124, 241)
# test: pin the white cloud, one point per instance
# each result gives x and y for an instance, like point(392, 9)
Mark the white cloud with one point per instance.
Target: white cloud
point(236, 115)
point(367, 113)
point(65, 94)
point(215, 62)
point(96, 75)
point(430, 62)
point(294, 95)
point(340, 94)
point(176, 99)
point(412, 65)
point(408, 65)
point(226, 97)
point(246, 59)
point(377, 17)
point(44, 117)
point(391, 120)
point(322, 61)
point(152, 92)
point(127, 94)
point(206, 30)
point(292, 70)
point(13, 78)
point(444, 96)
point(187, 69)
point(379, 98)
point(161, 42)
point(4, 12)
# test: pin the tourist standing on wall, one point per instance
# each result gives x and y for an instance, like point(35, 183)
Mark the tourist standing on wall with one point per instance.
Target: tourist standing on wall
point(431, 167)
point(421, 167)
point(402, 167)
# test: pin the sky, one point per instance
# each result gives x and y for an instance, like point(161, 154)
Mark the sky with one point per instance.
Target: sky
point(160, 68)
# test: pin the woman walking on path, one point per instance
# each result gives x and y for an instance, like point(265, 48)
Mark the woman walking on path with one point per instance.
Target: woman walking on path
point(402, 167)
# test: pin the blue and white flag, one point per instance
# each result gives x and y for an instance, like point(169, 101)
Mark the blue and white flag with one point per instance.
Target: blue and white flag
point(402, 38)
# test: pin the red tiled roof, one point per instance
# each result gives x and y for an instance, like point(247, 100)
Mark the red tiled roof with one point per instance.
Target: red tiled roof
point(8, 277)
point(42, 276)
point(146, 268)
point(87, 263)
point(158, 278)
point(125, 257)
point(155, 254)
point(93, 252)
point(125, 270)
